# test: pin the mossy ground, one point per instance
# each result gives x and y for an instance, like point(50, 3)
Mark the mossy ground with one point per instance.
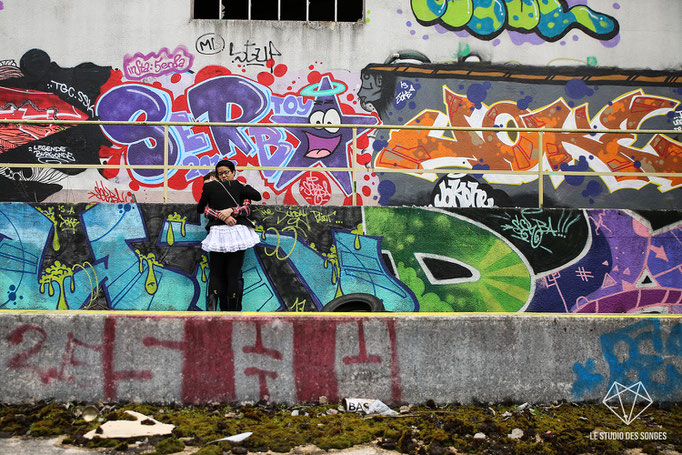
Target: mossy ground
point(429, 430)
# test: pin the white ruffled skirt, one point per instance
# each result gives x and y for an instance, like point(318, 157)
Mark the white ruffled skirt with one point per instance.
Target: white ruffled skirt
point(228, 239)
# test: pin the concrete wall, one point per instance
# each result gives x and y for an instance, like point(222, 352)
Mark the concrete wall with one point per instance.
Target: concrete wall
point(147, 257)
point(187, 358)
point(107, 31)
point(588, 64)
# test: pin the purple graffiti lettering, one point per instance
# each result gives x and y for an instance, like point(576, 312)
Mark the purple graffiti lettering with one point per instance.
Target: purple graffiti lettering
point(133, 102)
point(273, 148)
point(229, 99)
point(191, 143)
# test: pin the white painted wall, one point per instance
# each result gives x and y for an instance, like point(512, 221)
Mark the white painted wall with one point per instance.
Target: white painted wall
point(103, 32)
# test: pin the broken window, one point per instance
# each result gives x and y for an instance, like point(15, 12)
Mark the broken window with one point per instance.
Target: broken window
point(280, 10)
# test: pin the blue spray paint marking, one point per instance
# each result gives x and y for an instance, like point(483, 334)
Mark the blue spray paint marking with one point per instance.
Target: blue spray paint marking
point(586, 379)
point(636, 353)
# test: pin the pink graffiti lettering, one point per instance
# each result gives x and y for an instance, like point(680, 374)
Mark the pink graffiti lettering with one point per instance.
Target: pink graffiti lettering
point(140, 66)
point(104, 194)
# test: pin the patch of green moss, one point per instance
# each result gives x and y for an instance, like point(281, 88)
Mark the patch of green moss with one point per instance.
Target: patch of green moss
point(101, 442)
point(425, 430)
point(170, 445)
point(210, 450)
point(121, 446)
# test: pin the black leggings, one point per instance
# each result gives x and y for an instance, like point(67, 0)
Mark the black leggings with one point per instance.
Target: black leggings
point(224, 279)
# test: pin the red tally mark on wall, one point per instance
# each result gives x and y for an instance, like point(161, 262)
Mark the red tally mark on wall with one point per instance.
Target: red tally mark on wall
point(362, 356)
point(208, 367)
point(110, 375)
point(314, 370)
point(396, 394)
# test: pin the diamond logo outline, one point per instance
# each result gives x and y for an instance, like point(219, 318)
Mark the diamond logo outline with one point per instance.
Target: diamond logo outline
point(637, 389)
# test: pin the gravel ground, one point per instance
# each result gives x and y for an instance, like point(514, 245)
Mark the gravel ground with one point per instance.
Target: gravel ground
point(427, 429)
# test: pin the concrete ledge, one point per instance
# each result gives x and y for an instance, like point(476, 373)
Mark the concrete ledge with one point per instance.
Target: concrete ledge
point(213, 357)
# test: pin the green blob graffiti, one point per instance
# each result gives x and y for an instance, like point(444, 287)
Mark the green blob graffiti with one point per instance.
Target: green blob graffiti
point(549, 19)
point(499, 277)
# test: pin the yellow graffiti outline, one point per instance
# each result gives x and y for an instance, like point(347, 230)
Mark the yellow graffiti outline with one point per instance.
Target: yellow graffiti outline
point(275, 251)
point(93, 295)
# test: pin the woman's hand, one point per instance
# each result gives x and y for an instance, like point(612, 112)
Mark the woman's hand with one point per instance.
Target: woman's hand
point(224, 214)
point(230, 221)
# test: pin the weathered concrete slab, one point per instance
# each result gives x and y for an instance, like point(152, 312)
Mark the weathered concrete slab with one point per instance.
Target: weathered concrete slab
point(201, 358)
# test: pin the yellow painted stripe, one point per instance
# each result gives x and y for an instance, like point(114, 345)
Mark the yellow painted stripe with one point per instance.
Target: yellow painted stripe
point(323, 314)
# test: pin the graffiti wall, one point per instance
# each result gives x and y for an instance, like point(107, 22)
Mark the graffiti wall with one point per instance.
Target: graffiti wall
point(38, 89)
point(469, 95)
point(423, 221)
point(127, 256)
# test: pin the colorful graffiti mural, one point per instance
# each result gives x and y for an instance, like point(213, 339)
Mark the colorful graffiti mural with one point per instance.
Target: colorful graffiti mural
point(159, 87)
point(548, 19)
point(428, 95)
point(467, 95)
point(147, 257)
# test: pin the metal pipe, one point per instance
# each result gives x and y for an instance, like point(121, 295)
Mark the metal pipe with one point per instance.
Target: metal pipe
point(353, 169)
point(541, 180)
point(347, 125)
point(165, 164)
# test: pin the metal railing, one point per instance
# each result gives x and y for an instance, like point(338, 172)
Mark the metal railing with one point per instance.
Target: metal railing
point(354, 169)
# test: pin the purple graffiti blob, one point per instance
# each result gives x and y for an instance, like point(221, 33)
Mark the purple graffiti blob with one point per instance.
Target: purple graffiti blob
point(577, 88)
point(593, 188)
point(477, 93)
point(627, 242)
point(521, 38)
point(386, 189)
point(581, 165)
point(613, 42)
point(2, 6)
point(524, 102)
point(379, 145)
point(440, 29)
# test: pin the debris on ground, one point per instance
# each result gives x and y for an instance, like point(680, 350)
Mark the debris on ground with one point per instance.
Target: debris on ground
point(236, 438)
point(142, 425)
point(419, 429)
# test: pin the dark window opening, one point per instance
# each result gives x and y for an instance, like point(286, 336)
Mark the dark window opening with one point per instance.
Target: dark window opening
point(321, 10)
point(234, 9)
point(284, 10)
point(293, 10)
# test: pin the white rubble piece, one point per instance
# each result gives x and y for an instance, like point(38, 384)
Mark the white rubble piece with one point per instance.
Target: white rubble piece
point(131, 428)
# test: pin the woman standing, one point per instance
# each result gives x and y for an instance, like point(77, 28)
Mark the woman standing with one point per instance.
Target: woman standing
point(227, 204)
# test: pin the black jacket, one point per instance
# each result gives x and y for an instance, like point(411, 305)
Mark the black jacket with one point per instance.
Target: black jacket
point(215, 195)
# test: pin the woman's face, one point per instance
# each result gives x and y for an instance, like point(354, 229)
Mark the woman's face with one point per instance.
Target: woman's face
point(224, 173)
